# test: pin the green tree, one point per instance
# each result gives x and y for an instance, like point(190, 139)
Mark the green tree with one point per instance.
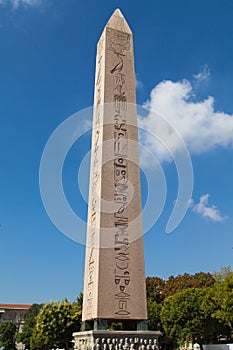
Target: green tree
point(79, 300)
point(182, 316)
point(158, 291)
point(221, 299)
point(8, 331)
point(30, 322)
point(55, 324)
point(153, 310)
point(222, 274)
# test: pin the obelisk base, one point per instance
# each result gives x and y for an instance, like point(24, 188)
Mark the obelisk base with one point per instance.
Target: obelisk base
point(116, 340)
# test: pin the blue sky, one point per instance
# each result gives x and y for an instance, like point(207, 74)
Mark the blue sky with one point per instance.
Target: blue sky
point(184, 67)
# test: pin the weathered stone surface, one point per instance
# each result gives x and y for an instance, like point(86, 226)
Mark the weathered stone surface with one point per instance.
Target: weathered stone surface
point(116, 340)
point(114, 281)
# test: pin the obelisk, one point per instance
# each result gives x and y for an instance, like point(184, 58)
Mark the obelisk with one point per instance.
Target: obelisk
point(114, 279)
point(114, 282)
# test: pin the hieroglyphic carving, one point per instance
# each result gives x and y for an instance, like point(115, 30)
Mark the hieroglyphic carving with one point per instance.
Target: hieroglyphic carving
point(99, 82)
point(119, 82)
point(95, 180)
point(119, 44)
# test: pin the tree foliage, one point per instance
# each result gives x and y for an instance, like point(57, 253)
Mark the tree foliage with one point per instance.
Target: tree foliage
point(159, 289)
point(187, 307)
point(182, 316)
point(7, 335)
point(220, 299)
point(222, 274)
point(55, 324)
point(30, 322)
point(153, 310)
point(192, 307)
point(156, 289)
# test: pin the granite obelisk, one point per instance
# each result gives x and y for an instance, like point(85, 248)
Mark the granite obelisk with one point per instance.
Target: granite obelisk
point(114, 281)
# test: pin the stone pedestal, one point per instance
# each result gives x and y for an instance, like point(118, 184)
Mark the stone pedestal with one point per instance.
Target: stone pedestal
point(116, 340)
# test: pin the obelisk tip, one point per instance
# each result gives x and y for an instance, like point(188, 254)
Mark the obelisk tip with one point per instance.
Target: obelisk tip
point(117, 21)
point(117, 12)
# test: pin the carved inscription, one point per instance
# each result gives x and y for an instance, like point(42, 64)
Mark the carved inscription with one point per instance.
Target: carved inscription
point(99, 82)
point(95, 181)
point(119, 44)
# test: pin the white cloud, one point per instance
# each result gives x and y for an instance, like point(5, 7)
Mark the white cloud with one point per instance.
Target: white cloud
point(139, 83)
point(204, 74)
point(206, 211)
point(16, 3)
point(199, 125)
